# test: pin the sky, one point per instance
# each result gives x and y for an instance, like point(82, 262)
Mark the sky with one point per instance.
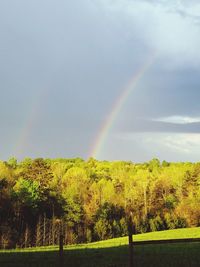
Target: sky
point(110, 79)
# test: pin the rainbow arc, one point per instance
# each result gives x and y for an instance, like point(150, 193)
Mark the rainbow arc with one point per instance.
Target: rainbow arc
point(109, 121)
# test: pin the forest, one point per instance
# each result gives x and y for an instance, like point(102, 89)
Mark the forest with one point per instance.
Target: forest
point(89, 200)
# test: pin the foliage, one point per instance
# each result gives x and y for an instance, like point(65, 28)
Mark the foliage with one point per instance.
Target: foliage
point(90, 200)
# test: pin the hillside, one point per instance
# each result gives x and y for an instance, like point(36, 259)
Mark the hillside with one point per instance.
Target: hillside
point(112, 253)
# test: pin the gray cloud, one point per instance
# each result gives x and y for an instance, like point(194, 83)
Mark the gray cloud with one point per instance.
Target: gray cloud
point(142, 125)
point(66, 62)
point(178, 119)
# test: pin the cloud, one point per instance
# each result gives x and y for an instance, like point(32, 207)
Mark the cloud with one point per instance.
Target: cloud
point(85, 52)
point(166, 26)
point(169, 124)
point(165, 146)
point(177, 142)
point(178, 119)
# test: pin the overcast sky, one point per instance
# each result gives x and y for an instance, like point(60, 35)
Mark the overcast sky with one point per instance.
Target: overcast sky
point(64, 63)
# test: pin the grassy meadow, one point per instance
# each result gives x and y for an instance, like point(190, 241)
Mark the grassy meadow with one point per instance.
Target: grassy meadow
point(113, 253)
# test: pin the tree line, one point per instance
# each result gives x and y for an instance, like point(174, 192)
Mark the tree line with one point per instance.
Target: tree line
point(90, 200)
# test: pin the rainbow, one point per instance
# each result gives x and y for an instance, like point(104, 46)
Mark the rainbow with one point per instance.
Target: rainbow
point(29, 123)
point(33, 115)
point(108, 123)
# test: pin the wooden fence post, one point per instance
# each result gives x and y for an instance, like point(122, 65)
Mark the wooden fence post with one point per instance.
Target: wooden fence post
point(61, 239)
point(61, 256)
point(130, 239)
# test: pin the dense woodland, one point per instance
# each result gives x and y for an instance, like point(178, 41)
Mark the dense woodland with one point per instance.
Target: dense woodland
point(90, 200)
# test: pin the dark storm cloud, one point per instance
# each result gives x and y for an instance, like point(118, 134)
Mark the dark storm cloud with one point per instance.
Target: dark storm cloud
point(162, 127)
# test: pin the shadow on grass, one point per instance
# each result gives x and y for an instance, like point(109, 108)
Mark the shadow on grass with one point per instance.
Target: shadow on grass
point(165, 255)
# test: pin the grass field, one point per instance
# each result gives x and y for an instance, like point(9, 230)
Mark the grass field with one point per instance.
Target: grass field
point(113, 253)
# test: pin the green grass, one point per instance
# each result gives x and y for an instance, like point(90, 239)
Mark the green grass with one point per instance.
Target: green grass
point(113, 253)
